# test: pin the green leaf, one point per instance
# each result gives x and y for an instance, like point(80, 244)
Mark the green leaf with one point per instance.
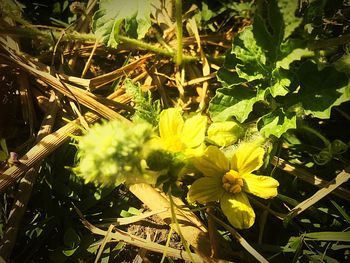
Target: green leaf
point(281, 80)
point(3, 156)
point(321, 90)
point(294, 55)
point(69, 252)
point(71, 238)
point(112, 13)
point(251, 55)
point(261, 55)
point(276, 123)
point(237, 101)
point(291, 22)
point(146, 108)
point(328, 236)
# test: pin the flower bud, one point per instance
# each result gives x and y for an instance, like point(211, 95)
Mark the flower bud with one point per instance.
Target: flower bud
point(224, 133)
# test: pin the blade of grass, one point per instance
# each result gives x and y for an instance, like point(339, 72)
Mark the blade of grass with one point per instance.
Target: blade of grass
point(328, 236)
point(309, 178)
point(341, 178)
point(105, 240)
point(341, 211)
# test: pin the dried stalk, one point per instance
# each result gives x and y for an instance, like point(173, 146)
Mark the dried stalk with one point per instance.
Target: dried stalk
point(341, 178)
point(125, 237)
point(25, 187)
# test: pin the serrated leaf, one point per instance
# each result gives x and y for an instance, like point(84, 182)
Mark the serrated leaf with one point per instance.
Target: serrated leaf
point(112, 13)
point(235, 102)
point(294, 55)
point(291, 22)
point(281, 81)
point(321, 90)
point(276, 123)
point(251, 55)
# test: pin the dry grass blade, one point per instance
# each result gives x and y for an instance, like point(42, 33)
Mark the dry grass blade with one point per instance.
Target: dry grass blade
point(105, 240)
point(192, 229)
point(241, 240)
point(112, 76)
point(341, 178)
point(308, 177)
point(96, 82)
point(205, 65)
point(85, 98)
point(40, 151)
point(132, 219)
point(125, 237)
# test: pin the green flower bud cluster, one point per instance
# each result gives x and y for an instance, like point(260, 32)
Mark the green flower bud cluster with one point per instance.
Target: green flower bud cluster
point(112, 153)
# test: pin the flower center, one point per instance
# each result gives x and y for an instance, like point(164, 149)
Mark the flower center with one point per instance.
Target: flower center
point(232, 182)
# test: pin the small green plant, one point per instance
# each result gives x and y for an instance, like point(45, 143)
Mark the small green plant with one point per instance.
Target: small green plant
point(272, 78)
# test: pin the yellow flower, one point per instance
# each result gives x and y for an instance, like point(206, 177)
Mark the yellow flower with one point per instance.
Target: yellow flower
point(228, 181)
point(177, 135)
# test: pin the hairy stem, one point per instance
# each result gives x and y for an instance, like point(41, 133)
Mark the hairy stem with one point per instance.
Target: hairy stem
point(178, 15)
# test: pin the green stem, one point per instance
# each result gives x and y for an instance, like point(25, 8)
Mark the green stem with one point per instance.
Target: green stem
point(34, 32)
point(178, 14)
point(315, 132)
point(174, 220)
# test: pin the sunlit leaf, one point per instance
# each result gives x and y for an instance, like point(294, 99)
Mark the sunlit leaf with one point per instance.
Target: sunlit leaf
point(112, 14)
point(277, 123)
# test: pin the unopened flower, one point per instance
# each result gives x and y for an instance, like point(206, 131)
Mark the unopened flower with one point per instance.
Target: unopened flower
point(228, 181)
point(177, 135)
point(224, 133)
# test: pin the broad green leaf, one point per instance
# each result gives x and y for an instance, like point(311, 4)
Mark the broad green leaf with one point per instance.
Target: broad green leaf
point(236, 102)
point(276, 123)
point(294, 55)
point(108, 20)
point(321, 90)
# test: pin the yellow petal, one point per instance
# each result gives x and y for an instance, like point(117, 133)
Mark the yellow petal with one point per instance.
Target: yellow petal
point(206, 189)
point(212, 163)
point(238, 210)
point(193, 132)
point(247, 158)
point(195, 152)
point(170, 127)
point(262, 186)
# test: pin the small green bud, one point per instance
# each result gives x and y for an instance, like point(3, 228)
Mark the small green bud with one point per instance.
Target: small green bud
point(159, 160)
point(224, 133)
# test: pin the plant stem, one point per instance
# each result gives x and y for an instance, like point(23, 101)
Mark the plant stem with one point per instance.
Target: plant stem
point(49, 34)
point(317, 133)
point(178, 15)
